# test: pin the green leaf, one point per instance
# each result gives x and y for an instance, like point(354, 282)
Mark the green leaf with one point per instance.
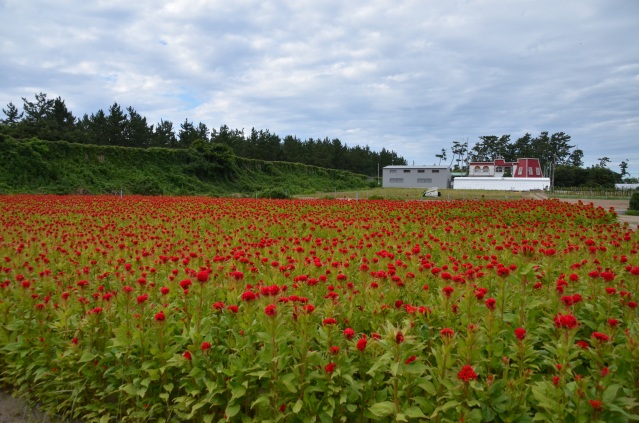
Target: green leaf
point(298, 406)
point(610, 393)
point(232, 410)
point(382, 409)
point(415, 413)
point(415, 368)
point(429, 387)
point(87, 356)
point(400, 418)
point(474, 416)
point(129, 389)
point(238, 392)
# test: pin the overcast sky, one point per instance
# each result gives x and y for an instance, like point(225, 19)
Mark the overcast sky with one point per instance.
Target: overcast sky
point(411, 76)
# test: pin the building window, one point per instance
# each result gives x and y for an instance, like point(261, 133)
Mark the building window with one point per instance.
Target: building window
point(435, 171)
point(477, 169)
point(421, 171)
point(424, 180)
point(538, 172)
point(521, 169)
point(406, 170)
point(396, 180)
point(392, 170)
point(499, 169)
point(530, 171)
point(485, 169)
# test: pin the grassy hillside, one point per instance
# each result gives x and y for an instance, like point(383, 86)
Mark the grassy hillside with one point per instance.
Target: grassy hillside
point(36, 166)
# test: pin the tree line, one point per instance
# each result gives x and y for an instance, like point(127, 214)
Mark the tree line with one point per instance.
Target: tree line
point(50, 119)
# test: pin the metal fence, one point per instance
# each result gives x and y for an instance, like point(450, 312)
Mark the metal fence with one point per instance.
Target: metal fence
point(595, 192)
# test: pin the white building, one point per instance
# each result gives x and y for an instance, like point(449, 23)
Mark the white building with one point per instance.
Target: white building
point(416, 177)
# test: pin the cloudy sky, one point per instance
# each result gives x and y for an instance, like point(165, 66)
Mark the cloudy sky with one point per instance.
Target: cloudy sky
point(407, 75)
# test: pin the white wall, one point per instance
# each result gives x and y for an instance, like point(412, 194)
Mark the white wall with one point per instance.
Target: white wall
point(501, 184)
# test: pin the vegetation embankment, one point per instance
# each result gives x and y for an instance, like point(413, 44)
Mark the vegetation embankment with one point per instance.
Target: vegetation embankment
point(36, 166)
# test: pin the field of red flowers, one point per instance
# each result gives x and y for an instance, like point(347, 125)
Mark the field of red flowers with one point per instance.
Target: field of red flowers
point(202, 309)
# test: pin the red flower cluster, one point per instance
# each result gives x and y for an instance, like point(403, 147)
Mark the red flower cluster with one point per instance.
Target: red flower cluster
point(270, 310)
point(466, 374)
point(520, 333)
point(566, 321)
point(447, 333)
point(601, 337)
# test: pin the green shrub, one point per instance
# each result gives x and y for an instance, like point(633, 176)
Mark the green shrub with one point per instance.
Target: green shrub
point(634, 201)
point(274, 193)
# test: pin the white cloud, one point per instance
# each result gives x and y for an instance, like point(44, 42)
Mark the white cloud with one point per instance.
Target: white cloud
point(408, 75)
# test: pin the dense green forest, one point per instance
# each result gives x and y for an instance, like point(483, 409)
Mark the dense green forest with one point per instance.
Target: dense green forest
point(50, 119)
point(61, 167)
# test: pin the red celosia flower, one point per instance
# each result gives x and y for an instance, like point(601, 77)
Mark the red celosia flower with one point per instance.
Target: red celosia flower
point(233, 308)
point(490, 303)
point(270, 310)
point(583, 345)
point(480, 292)
point(219, 305)
point(466, 374)
point(334, 350)
point(567, 300)
point(613, 322)
point(205, 346)
point(566, 321)
point(160, 317)
point(329, 368)
point(448, 290)
point(604, 372)
point(74, 341)
point(596, 404)
point(309, 308)
point(520, 333)
point(329, 321)
point(349, 333)
point(185, 283)
point(556, 380)
point(601, 337)
point(202, 276)
point(410, 359)
point(399, 337)
point(164, 290)
point(447, 333)
point(248, 296)
point(361, 344)
point(142, 298)
point(187, 355)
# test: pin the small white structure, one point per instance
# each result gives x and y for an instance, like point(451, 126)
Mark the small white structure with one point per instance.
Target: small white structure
point(502, 184)
point(526, 176)
point(626, 186)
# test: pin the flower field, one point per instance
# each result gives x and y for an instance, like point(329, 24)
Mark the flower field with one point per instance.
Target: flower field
point(201, 309)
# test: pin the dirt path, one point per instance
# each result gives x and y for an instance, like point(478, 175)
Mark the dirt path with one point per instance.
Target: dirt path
point(13, 410)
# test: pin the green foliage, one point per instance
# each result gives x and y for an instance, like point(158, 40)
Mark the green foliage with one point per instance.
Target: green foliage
point(634, 201)
point(36, 166)
point(275, 193)
point(595, 176)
